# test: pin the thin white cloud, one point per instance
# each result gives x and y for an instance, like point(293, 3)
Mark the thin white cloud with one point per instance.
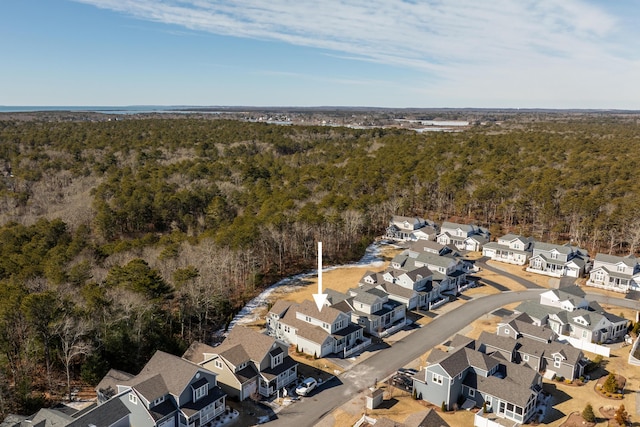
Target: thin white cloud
point(461, 41)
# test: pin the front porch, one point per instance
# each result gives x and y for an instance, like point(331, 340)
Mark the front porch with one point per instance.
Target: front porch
point(615, 287)
point(269, 386)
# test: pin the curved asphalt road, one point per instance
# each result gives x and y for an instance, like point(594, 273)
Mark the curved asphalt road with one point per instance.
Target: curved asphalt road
point(309, 411)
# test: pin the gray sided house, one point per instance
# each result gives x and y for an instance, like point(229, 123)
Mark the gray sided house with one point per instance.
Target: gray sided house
point(471, 378)
point(246, 363)
point(510, 248)
point(521, 325)
point(560, 358)
point(614, 273)
point(558, 260)
point(168, 392)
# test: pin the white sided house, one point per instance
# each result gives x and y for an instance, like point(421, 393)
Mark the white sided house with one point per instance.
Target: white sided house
point(614, 273)
point(316, 333)
point(510, 248)
point(465, 237)
point(570, 314)
point(407, 228)
point(370, 308)
point(558, 260)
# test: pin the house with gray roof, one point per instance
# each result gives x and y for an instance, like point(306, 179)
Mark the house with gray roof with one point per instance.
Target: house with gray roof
point(569, 314)
point(315, 332)
point(169, 390)
point(428, 246)
point(537, 350)
point(465, 237)
point(615, 273)
point(470, 377)
point(568, 298)
point(110, 414)
point(521, 325)
point(371, 308)
point(558, 260)
point(510, 248)
point(406, 228)
point(428, 418)
point(247, 363)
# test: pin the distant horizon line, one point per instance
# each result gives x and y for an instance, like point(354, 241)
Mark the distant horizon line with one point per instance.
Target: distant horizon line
point(34, 108)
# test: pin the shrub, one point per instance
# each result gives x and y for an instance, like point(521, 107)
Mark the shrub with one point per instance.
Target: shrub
point(484, 407)
point(587, 413)
point(621, 416)
point(610, 384)
point(443, 407)
point(568, 381)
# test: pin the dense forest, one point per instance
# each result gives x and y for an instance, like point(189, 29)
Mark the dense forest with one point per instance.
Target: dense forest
point(118, 238)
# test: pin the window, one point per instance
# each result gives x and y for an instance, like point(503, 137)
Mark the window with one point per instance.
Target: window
point(200, 392)
point(525, 357)
point(472, 392)
point(621, 268)
point(557, 362)
point(276, 360)
point(307, 318)
point(133, 398)
point(218, 364)
point(584, 334)
point(506, 331)
point(437, 378)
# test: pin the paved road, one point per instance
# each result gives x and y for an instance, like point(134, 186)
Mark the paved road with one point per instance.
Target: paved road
point(482, 263)
point(309, 411)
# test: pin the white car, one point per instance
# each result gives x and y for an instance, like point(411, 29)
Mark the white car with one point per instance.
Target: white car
point(306, 387)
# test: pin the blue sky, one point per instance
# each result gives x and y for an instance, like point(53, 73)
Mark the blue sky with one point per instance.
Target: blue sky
point(385, 53)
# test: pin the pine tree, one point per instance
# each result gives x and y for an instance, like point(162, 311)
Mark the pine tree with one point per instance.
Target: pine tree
point(587, 413)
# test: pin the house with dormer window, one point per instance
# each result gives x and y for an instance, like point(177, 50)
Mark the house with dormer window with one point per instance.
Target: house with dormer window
point(370, 308)
point(465, 237)
point(466, 374)
point(558, 260)
point(567, 313)
point(169, 391)
point(510, 248)
point(406, 228)
point(247, 363)
point(614, 273)
point(314, 332)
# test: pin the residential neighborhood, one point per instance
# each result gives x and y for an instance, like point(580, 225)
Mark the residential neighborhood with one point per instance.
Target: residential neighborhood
point(500, 372)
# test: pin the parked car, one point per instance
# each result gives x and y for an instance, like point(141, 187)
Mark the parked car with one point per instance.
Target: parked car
point(407, 371)
point(306, 387)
